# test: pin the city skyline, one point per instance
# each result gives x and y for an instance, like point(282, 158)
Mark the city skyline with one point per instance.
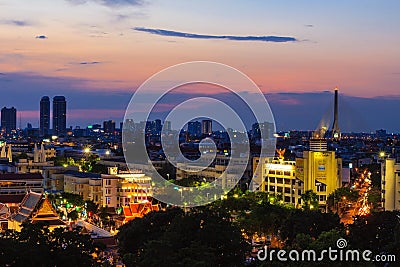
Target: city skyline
point(296, 48)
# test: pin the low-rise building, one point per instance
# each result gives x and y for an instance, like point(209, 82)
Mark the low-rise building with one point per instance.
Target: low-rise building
point(85, 184)
point(123, 189)
point(278, 177)
point(35, 207)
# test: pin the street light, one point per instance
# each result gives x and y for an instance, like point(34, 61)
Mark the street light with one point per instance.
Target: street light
point(86, 150)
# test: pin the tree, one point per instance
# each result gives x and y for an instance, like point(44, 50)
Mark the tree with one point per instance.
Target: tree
point(311, 222)
point(200, 237)
point(378, 232)
point(309, 200)
point(35, 245)
point(73, 199)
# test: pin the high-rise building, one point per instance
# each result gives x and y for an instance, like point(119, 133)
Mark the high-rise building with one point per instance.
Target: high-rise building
point(267, 128)
point(8, 119)
point(319, 170)
point(109, 127)
point(44, 116)
point(167, 126)
point(194, 128)
point(157, 126)
point(206, 127)
point(390, 184)
point(59, 116)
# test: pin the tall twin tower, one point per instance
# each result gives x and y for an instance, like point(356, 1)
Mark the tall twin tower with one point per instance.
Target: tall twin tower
point(59, 116)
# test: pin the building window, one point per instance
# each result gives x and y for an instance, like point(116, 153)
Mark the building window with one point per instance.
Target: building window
point(272, 189)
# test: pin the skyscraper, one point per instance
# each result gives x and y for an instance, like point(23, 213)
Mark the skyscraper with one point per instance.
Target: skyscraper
point(59, 116)
point(109, 127)
point(194, 128)
point(8, 119)
point(206, 127)
point(44, 115)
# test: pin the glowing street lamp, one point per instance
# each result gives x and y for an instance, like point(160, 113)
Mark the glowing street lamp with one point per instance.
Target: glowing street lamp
point(86, 150)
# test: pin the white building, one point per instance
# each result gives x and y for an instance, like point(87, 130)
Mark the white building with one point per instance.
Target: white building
point(123, 189)
point(278, 177)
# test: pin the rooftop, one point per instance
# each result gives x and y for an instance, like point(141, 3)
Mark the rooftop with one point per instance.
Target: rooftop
point(83, 174)
point(20, 176)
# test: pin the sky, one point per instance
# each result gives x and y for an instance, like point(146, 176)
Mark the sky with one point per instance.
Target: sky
point(97, 53)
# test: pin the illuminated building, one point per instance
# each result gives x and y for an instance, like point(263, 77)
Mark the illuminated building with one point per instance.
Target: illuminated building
point(6, 155)
point(8, 119)
point(39, 160)
point(390, 170)
point(278, 177)
point(319, 170)
point(123, 189)
point(85, 184)
point(44, 116)
point(20, 183)
point(34, 208)
point(59, 116)
point(217, 170)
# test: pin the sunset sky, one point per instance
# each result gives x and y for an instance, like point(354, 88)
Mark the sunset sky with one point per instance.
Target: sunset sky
point(97, 52)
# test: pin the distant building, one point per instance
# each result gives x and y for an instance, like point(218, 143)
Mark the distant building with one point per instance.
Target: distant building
point(6, 155)
point(157, 126)
point(390, 184)
point(109, 127)
point(167, 126)
point(59, 116)
point(206, 127)
point(267, 128)
point(381, 134)
point(40, 160)
point(8, 119)
point(44, 116)
point(194, 129)
point(319, 170)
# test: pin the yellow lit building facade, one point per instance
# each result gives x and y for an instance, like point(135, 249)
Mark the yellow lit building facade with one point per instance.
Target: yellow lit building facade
point(278, 177)
point(319, 170)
